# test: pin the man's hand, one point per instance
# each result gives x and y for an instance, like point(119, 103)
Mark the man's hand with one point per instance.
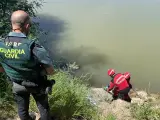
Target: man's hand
point(1, 69)
point(105, 88)
point(49, 88)
point(49, 70)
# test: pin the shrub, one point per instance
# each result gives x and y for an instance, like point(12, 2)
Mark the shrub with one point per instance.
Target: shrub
point(110, 117)
point(69, 99)
point(145, 112)
point(7, 108)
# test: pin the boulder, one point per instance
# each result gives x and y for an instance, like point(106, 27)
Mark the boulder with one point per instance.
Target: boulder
point(142, 95)
point(138, 101)
point(119, 108)
point(100, 95)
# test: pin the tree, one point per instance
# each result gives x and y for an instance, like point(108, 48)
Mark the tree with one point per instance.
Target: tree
point(8, 6)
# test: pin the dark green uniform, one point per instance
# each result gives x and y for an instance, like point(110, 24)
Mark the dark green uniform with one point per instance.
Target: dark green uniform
point(21, 59)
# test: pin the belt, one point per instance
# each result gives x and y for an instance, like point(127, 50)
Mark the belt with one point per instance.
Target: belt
point(25, 83)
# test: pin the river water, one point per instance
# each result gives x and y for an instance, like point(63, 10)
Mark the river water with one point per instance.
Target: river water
point(102, 34)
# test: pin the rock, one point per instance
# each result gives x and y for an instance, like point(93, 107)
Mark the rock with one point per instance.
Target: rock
point(100, 95)
point(119, 108)
point(138, 101)
point(156, 96)
point(73, 66)
point(37, 117)
point(142, 94)
point(151, 99)
point(156, 107)
point(11, 119)
point(132, 94)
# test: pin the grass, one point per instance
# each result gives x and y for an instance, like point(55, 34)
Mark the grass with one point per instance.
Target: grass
point(145, 112)
point(7, 110)
point(110, 117)
point(7, 106)
point(69, 99)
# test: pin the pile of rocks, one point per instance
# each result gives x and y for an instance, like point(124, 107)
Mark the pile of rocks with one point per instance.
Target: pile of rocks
point(119, 108)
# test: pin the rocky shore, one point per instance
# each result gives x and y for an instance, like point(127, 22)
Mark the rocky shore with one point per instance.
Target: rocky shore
point(121, 109)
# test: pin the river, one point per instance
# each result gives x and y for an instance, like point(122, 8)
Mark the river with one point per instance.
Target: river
point(103, 34)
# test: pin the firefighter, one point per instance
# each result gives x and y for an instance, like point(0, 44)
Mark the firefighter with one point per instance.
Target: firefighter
point(120, 85)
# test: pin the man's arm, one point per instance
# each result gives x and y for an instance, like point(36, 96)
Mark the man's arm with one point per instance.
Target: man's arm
point(111, 86)
point(1, 69)
point(128, 80)
point(43, 58)
point(49, 69)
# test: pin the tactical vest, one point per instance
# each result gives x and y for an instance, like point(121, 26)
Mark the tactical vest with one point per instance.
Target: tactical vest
point(120, 82)
point(17, 59)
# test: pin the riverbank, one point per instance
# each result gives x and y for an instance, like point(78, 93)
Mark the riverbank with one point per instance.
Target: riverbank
point(142, 107)
point(73, 99)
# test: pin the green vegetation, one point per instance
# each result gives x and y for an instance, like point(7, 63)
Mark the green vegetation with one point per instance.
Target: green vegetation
point(110, 117)
point(145, 112)
point(7, 108)
point(69, 99)
point(8, 6)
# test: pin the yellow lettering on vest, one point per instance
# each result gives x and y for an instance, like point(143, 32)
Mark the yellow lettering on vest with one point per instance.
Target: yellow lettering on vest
point(16, 51)
point(16, 56)
point(8, 51)
point(11, 55)
point(4, 50)
point(12, 51)
point(22, 52)
point(7, 55)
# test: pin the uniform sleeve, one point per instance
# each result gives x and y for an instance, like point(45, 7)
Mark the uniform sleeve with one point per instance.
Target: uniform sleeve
point(42, 55)
point(128, 80)
point(111, 85)
point(130, 85)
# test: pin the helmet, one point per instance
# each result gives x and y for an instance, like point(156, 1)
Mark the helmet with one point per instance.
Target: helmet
point(127, 75)
point(111, 72)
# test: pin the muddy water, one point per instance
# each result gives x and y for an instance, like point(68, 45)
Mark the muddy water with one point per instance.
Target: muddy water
point(102, 34)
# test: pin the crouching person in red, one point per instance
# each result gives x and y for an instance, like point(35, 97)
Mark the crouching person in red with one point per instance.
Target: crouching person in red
point(120, 85)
